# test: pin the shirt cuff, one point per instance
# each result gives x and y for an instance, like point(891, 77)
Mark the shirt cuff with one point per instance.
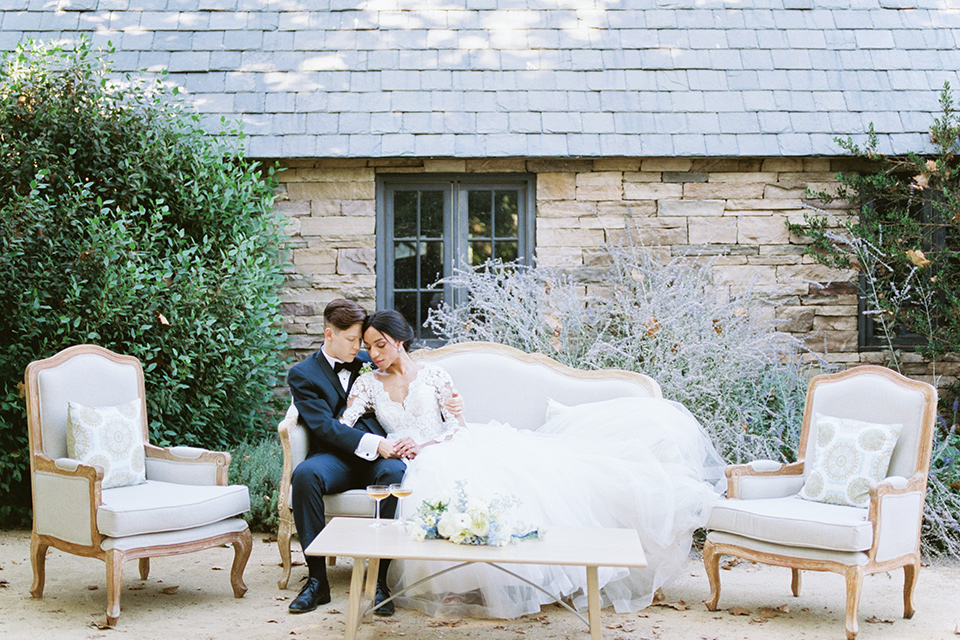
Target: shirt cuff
point(369, 443)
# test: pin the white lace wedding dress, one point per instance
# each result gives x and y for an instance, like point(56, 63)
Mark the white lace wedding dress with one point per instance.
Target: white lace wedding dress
point(639, 463)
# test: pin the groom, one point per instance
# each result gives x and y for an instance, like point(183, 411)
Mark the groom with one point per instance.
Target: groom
point(339, 457)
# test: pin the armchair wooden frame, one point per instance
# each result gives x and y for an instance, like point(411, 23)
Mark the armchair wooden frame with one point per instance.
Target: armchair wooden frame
point(113, 557)
point(853, 572)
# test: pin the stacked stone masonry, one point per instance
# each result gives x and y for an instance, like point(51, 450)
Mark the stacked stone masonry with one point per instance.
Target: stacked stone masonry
point(730, 212)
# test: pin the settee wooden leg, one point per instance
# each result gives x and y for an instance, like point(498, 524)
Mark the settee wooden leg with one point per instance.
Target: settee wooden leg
point(910, 572)
point(795, 583)
point(854, 577)
point(242, 547)
point(144, 568)
point(38, 559)
point(114, 560)
point(711, 562)
point(284, 533)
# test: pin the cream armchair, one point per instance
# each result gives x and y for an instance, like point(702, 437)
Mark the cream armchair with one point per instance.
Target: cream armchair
point(766, 521)
point(185, 504)
point(496, 382)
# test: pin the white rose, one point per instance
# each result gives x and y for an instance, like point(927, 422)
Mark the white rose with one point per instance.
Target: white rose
point(449, 524)
point(418, 533)
point(479, 522)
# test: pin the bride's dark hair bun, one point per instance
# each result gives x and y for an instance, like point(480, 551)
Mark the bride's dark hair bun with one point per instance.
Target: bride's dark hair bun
point(391, 323)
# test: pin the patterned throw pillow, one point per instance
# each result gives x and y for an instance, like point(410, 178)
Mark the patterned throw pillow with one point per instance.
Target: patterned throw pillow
point(110, 437)
point(850, 455)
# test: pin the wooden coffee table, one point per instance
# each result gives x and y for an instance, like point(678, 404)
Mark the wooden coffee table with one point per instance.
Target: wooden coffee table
point(572, 546)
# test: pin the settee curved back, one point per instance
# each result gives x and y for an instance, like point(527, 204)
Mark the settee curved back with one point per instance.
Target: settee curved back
point(501, 383)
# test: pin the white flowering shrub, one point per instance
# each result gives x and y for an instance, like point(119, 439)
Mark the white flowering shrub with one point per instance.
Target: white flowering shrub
point(742, 379)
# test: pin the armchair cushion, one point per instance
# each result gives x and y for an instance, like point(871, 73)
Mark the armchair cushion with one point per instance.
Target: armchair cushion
point(154, 507)
point(795, 522)
point(108, 437)
point(850, 455)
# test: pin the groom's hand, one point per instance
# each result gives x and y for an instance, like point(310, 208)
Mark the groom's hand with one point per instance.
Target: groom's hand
point(455, 404)
point(388, 448)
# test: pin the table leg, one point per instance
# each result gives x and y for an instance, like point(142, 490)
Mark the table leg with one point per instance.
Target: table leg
point(593, 603)
point(354, 610)
point(370, 590)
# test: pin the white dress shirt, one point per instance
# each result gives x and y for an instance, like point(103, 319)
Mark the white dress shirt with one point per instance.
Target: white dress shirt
point(370, 442)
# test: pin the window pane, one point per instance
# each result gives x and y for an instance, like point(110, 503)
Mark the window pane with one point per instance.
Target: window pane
point(505, 213)
point(506, 251)
point(479, 209)
point(428, 300)
point(406, 304)
point(405, 265)
point(431, 263)
point(431, 214)
point(405, 214)
point(478, 253)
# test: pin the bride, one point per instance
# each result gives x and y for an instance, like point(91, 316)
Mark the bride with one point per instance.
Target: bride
point(638, 463)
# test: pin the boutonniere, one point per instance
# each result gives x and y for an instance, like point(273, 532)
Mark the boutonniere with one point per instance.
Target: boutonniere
point(366, 368)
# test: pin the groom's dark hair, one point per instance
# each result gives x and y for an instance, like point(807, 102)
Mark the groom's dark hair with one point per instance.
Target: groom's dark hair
point(342, 314)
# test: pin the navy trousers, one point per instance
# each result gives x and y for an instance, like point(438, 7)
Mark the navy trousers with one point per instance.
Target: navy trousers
point(324, 473)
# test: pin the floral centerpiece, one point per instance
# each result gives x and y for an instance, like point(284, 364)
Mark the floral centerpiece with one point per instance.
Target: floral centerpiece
point(463, 519)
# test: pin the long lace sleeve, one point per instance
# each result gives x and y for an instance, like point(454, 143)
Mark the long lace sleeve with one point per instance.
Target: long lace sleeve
point(360, 400)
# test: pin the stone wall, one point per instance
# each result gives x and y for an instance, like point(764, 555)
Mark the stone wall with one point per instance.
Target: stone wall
point(731, 212)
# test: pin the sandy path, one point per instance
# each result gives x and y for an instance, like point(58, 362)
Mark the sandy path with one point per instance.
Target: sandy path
point(203, 606)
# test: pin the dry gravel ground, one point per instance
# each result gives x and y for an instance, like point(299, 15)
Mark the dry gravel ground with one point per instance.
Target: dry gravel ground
point(202, 605)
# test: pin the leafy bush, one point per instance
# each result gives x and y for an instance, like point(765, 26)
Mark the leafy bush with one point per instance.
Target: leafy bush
point(259, 464)
point(123, 224)
point(741, 379)
point(906, 244)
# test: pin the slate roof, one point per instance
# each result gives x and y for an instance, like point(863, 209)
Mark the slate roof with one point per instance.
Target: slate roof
point(535, 78)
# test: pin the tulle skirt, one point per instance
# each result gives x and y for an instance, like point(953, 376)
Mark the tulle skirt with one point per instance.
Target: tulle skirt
point(638, 463)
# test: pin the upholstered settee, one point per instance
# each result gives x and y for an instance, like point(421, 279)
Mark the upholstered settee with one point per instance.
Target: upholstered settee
point(497, 383)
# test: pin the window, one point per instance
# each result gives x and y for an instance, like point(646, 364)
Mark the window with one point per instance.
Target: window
point(934, 238)
point(427, 225)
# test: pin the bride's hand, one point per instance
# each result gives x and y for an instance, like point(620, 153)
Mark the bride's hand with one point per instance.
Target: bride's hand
point(407, 448)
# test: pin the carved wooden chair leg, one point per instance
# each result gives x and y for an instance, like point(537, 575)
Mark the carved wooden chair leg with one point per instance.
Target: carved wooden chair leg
point(241, 553)
point(144, 568)
point(114, 562)
point(711, 562)
point(795, 583)
point(38, 558)
point(854, 577)
point(910, 573)
point(283, 543)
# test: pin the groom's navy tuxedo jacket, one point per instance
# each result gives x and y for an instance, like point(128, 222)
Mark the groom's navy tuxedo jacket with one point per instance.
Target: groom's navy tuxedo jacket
point(320, 399)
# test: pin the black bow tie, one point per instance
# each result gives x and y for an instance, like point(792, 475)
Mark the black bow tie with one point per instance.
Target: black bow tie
point(352, 367)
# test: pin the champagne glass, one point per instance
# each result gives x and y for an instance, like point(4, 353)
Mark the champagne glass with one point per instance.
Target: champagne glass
point(399, 492)
point(378, 492)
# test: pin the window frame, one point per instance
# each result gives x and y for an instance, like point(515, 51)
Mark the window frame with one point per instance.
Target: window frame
point(869, 337)
point(455, 235)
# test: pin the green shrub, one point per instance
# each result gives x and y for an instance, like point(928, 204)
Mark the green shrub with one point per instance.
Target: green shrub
point(122, 223)
point(258, 464)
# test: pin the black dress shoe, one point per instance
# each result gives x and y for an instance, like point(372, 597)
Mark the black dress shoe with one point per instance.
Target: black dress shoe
point(313, 594)
point(382, 594)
